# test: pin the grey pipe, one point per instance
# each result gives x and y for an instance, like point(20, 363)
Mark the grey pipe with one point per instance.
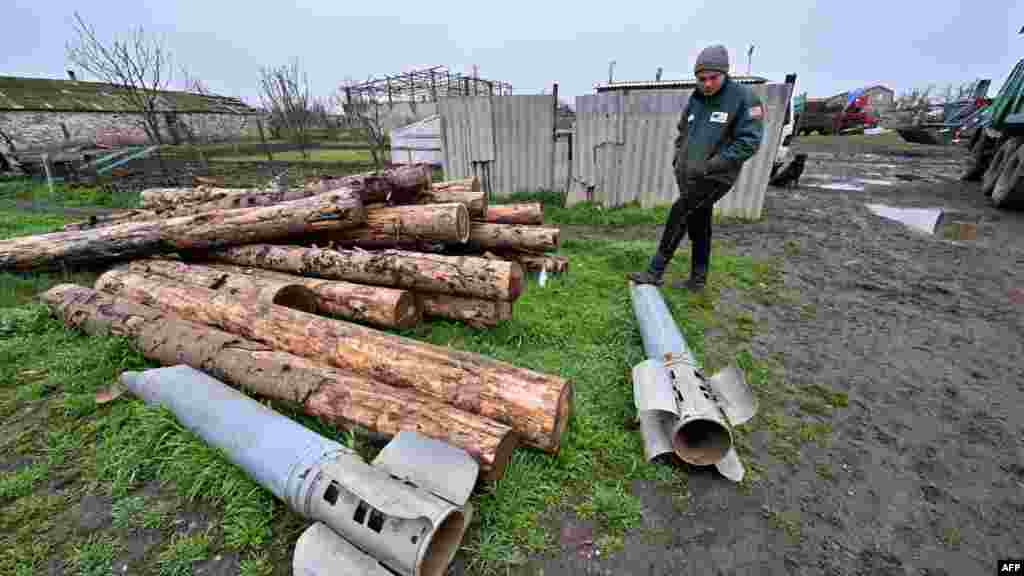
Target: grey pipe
point(407, 529)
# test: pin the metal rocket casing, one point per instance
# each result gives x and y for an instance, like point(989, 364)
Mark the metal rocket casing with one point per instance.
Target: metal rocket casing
point(680, 410)
point(380, 510)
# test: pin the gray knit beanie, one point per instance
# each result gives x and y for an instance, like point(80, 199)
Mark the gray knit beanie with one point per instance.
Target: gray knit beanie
point(713, 58)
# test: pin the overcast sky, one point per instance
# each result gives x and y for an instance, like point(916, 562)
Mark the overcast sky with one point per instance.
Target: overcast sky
point(832, 46)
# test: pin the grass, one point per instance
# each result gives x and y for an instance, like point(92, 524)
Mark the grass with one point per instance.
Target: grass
point(63, 195)
point(315, 155)
point(580, 326)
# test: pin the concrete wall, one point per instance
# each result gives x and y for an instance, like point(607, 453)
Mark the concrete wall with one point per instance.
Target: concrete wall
point(31, 129)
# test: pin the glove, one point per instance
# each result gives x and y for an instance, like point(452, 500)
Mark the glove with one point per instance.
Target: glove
point(695, 170)
point(717, 164)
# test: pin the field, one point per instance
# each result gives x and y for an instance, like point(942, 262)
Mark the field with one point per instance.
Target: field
point(886, 363)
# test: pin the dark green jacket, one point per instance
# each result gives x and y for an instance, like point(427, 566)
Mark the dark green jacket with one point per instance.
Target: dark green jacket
point(718, 133)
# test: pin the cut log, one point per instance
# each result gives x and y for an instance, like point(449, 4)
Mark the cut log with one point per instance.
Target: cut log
point(370, 187)
point(458, 275)
point(288, 292)
point(475, 202)
point(469, 184)
point(505, 237)
point(335, 395)
point(401, 225)
point(472, 311)
point(394, 185)
point(99, 221)
point(535, 405)
point(331, 211)
point(377, 305)
point(531, 213)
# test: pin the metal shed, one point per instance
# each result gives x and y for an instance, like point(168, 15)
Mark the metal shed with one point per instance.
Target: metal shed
point(419, 142)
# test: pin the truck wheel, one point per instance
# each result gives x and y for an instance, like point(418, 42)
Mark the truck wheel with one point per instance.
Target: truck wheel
point(1009, 189)
point(995, 168)
point(980, 156)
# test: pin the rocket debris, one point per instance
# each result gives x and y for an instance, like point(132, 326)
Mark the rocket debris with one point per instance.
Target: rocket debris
point(391, 517)
point(680, 410)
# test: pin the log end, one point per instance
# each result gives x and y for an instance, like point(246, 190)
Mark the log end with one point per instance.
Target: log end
point(562, 415)
point(462, 223)
point(475, 186)
point(515, 281)
point(408, 311)
point(502, 456)
point(297, 297)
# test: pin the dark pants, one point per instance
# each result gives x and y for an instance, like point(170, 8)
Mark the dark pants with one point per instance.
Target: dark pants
point(691, 213)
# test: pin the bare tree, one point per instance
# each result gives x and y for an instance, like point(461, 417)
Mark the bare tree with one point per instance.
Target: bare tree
point(284, 93)
point(365, 106)
point(140, 65)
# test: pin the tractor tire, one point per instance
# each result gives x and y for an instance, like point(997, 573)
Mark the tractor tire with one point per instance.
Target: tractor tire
point(1009, 189)
point(995, 168)
point(980, 155)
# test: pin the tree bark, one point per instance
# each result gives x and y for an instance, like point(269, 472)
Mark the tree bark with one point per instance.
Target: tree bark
point(377, 305)
point(475, 312)
point(535, 405)
point(488, 236)
point(288, 292)
point(531, 213)
point(458, 275)
point(402, 225)
point(331, 211)
point(335, 395)
point(391, 185)
point(475, 202)
point(469, 184)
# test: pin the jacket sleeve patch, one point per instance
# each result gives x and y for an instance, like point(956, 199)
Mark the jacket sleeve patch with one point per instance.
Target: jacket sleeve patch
point(720, 117)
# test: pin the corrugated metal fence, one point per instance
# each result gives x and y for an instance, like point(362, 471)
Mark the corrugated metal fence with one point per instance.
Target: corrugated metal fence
point(505, 141)
point(622, 150)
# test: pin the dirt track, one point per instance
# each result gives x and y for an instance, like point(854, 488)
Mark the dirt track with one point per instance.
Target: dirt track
point(924, 471)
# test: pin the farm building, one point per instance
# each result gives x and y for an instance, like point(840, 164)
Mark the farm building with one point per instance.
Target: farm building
point(37, 112)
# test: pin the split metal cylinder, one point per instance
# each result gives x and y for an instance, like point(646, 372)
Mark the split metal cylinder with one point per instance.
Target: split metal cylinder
point(702, 435)
point(407, 529)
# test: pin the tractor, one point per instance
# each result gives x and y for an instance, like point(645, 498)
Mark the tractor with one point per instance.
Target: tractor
point(997, 154)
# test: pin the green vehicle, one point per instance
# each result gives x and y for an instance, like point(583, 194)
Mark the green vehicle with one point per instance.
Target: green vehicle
point(997, 156)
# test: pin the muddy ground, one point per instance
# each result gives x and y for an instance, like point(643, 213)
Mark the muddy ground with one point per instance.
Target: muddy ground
point(924, 469)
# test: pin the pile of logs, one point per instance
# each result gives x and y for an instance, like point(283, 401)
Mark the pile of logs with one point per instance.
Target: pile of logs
point(286, 292)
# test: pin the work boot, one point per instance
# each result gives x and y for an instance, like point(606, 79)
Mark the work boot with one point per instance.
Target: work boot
point(645, 277)
point(698, 279)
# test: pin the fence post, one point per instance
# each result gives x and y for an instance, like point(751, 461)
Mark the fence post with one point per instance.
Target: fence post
point(263, 139)
point(554, 135)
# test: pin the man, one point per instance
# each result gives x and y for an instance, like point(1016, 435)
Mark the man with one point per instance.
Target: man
point(719, 130)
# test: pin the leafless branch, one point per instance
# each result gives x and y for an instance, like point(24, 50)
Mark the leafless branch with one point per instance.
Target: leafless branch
point(140, 65)
point(284, 93)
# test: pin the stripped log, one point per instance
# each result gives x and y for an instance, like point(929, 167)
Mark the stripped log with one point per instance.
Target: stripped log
point(335, 395)
point(505, 237)
point(401, 225)
point(458, 275)
point(530, 213)
point(331, 211)
point(471, 184)
point(475, 312)
point(370, 188)
point(377, 305)
point(475, 202)
point(288, 292)
point(535, 405)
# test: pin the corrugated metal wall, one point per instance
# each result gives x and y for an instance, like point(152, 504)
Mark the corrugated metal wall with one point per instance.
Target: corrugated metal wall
point(505, 141)
point(623, 148)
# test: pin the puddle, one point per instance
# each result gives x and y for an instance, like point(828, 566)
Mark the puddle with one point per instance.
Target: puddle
point(923, 219)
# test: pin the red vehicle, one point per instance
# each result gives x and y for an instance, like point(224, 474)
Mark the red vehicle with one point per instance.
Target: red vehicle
point(818, 116)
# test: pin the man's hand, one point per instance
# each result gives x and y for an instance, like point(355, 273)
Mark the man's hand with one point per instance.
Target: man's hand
point(696, 170)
